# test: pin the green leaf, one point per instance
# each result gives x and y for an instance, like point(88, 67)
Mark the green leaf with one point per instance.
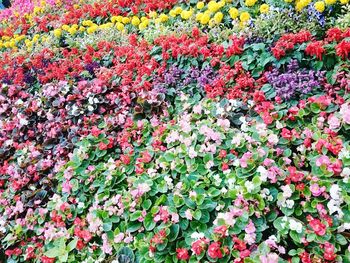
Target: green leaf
point(134, 226)
point(146, 204)
point(136, 215)
point(148, 222)
point(341, 239)
point(71, 245)
point(174, 232)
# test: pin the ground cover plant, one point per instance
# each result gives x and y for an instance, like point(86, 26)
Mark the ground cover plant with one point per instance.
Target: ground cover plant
point(175, 131)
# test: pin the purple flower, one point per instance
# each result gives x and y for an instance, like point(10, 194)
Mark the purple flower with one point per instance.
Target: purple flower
point(294, 80)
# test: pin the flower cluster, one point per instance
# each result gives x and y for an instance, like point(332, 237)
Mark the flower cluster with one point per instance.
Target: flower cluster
point(174, 131)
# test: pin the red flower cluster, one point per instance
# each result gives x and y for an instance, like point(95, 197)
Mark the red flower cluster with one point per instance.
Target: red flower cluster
point(315, 49)
point(288, 41)
point(317, 226)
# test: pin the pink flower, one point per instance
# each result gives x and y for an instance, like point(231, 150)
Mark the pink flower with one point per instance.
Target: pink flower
point(66, 187)
point(270, 258)
point(221, 231)
point(333, 122)
point(316, 190)
point(345, 113)
point(250, 228)
point(245, 158)
point(118, 238)
point(323, 160)
point(188, 214)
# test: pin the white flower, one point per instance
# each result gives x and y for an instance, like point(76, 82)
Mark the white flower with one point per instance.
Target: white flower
point(273, 139)
point(289, 203)
point(279, 125)
point(249, 185)
point(263, 173)
point(335, 192)
point(196, 235)
point(220, 110)
point(192, 153)
point(334, 206)
point(346, 172)
point(287, 191)
point(261, 129)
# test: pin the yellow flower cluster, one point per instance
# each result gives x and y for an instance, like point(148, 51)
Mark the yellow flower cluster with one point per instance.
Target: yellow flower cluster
point(320, 6)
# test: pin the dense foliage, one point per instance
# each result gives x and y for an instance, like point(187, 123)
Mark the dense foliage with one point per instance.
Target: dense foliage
point(175, 131)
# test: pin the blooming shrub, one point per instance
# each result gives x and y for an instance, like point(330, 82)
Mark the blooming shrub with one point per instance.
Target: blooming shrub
point(174, 131)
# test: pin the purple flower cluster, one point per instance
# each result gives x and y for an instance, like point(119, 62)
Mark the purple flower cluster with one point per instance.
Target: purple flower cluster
point(177, 78)
point(294, 80)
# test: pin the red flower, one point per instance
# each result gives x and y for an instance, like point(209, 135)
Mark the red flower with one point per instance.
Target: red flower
point(315, 49)
point(329, 252)
point(239, 244)
point(214, 250)
point(45, 259)
point(125, 159)
point(80, 244)
point(317, 226)
point(305, 257)
point(286, 134)
point(224, 166)
point(334, 34)
point(222, 154)
point(182, 253)
point(221, 231)
point(199, 245)
point(294, 176)
point(343, 49)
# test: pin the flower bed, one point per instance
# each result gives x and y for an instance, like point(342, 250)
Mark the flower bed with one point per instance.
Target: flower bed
point(175, 131)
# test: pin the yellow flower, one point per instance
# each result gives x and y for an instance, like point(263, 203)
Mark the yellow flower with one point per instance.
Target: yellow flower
point(186, 14)
point(244, 16)
point(87, 23)
point(172, 13)
point(135, 21)
point(163, 18)
point(288, 1)
point(142, 26)
point(199, 16)
point(81, 28)
point(211, 22)
point(319, 6)
point(152, 14)
point(302, 4)
point(126, 20)
point(213, 6)
point(119, 19)
point(233, 12)
point(114, 19)
point(264, 8)
point(92, 29)
point(200, 5)
point(72, 31)
point(119, 26)
point(57, 32)
point(343, 2)
point(222, 3)
point(250, 2)
point(218, 17)
point(178, 10)
point(330, 2)
point(65, 27)
point(205, 19)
